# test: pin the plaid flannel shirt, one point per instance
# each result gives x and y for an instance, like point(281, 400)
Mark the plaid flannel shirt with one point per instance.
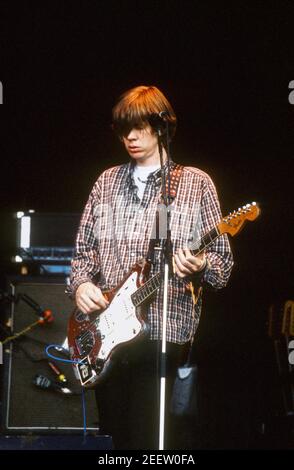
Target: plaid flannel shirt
point(115, 230)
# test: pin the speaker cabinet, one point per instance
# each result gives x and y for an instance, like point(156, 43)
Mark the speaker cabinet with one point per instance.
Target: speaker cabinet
point(26, 407)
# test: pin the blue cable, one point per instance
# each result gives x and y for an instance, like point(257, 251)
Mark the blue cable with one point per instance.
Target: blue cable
point(84, 414)
point(71, 362)
point(59, 358)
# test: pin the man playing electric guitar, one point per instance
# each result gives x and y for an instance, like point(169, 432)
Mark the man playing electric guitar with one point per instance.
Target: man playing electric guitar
point(114, 233)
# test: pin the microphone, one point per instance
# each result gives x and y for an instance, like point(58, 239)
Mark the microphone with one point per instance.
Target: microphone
point(158, 120)
point(43, 382)
point(163, 114)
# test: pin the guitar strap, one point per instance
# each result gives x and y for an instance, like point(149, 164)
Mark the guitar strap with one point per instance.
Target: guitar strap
point(175, 176)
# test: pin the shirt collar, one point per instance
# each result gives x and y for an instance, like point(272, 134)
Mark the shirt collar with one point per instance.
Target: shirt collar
point(155, 176)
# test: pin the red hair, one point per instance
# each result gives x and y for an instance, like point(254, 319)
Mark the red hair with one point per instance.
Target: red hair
point(135, 107)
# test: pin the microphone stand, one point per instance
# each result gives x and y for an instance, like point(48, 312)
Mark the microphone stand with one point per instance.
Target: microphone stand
point(166, 246)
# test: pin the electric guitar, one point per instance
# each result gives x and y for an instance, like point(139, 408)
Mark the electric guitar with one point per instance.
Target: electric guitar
point(94, 338)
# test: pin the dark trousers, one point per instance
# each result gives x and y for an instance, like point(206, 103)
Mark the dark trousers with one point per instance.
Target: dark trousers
point(128, 400)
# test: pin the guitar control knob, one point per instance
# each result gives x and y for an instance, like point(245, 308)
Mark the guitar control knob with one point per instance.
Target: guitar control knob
point(99, 364)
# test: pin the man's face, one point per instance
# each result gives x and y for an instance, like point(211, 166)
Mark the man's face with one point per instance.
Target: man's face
point(141, 143)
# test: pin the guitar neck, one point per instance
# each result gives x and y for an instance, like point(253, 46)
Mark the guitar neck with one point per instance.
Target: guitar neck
point(230, 224)
point(206, 240)
point(145, 292)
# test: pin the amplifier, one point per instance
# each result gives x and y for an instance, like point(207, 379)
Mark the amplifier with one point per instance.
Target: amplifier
point(47, 239)
point(27, 406)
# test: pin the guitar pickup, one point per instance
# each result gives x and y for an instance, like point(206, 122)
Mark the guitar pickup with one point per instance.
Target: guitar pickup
point(85, 343)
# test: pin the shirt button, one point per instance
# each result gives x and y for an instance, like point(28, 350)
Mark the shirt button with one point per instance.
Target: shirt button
point(133, 254)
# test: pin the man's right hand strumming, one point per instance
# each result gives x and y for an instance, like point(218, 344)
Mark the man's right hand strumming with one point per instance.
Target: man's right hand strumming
point(89, 298)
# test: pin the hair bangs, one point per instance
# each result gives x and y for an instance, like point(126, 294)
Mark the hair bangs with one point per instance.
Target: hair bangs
point(135, 106)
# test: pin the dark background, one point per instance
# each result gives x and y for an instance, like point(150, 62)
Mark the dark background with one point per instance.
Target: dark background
point(225, 67)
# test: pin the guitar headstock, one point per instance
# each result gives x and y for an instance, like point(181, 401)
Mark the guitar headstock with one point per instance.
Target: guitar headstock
point(234, 221)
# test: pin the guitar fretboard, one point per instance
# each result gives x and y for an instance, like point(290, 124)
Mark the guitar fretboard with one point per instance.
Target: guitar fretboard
point(147, 290)
point(205, 241)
